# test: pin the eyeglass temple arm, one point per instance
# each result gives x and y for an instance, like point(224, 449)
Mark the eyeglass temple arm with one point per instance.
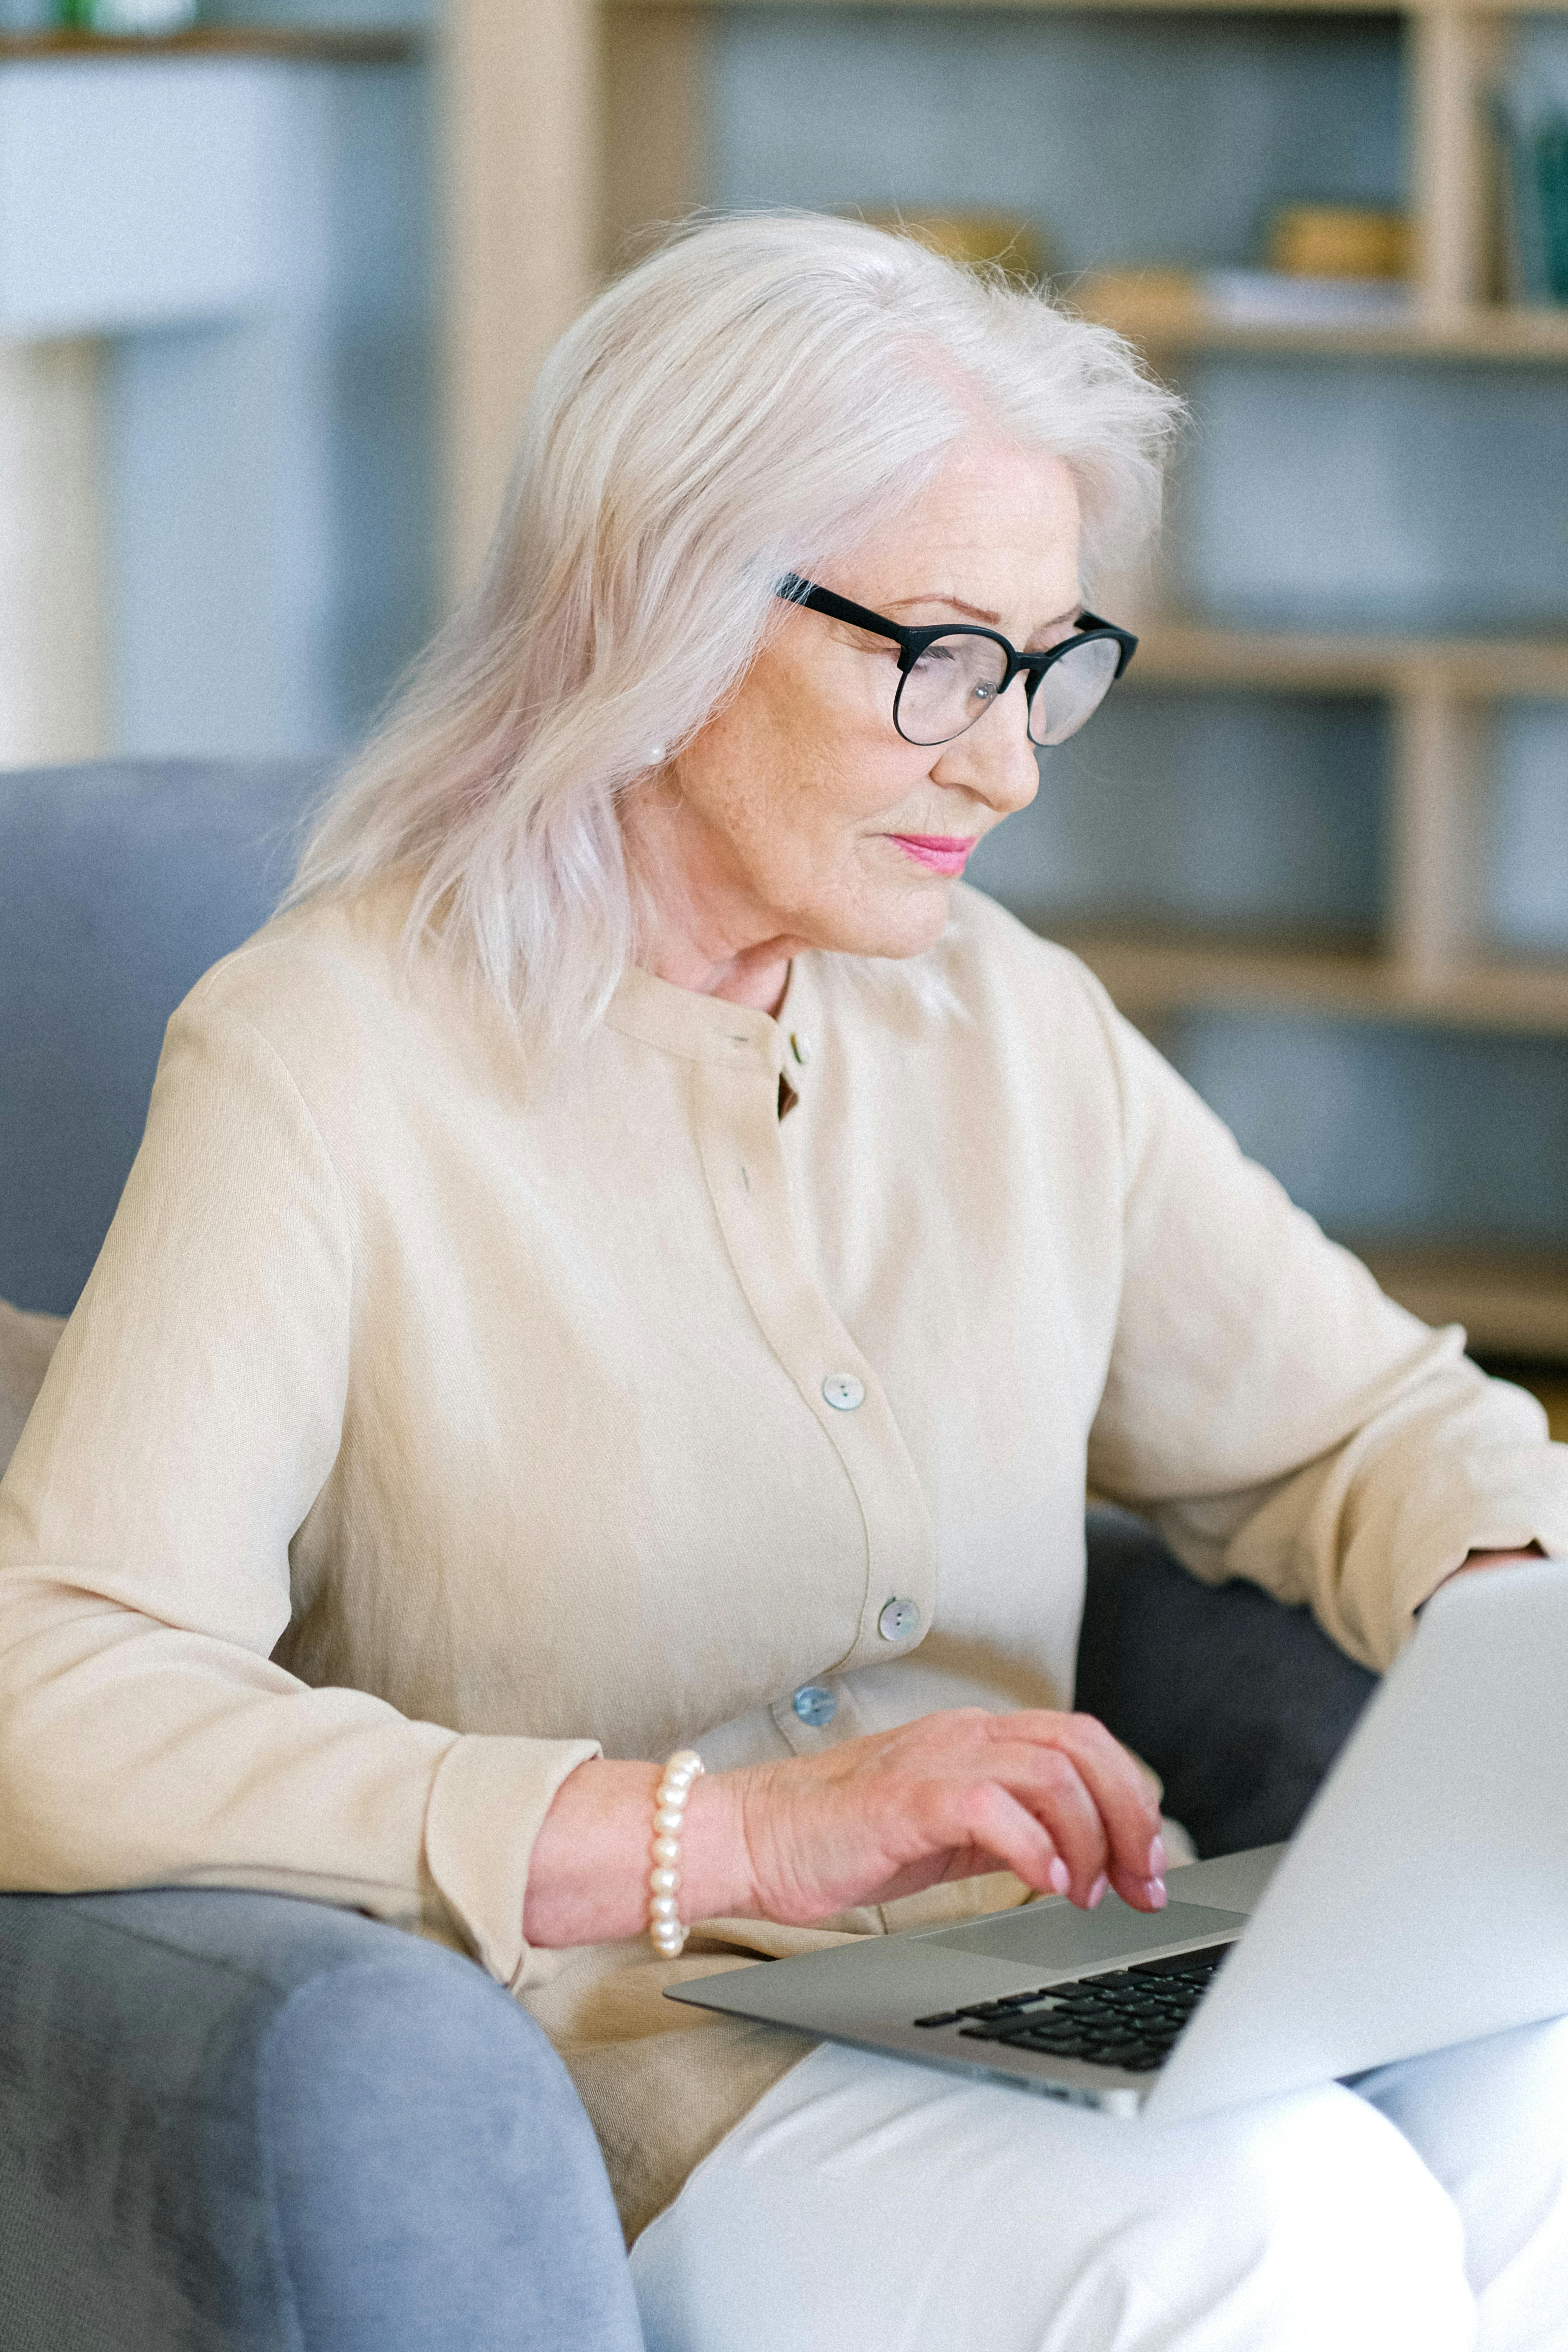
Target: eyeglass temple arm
point(796, 590)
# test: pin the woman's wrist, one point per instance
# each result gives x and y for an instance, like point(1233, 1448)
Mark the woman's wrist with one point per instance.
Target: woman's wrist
point(588, 1875)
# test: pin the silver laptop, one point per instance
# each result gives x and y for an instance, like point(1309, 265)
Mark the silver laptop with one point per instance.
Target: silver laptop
point(1423, 1902)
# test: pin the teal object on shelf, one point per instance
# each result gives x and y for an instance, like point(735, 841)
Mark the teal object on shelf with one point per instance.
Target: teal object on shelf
point(148, 17)
point(1536, 236)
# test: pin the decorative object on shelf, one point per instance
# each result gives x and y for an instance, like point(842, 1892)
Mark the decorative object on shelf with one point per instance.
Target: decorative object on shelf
point(1269, 298)
point(1338, 241)
point(1158, 305)
point(1535, 190)
point(1329, 266)
point(1146, 304)
point(975, 239)
point(148, 16)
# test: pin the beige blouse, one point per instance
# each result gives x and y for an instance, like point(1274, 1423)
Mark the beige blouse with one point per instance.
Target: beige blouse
point(431, 1423)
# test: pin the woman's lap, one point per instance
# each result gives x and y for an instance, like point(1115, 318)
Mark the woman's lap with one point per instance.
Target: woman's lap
point(1490, 2123)
point(883, 2207)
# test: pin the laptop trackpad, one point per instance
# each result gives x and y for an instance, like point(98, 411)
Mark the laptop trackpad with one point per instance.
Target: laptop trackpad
point(1052, 1935)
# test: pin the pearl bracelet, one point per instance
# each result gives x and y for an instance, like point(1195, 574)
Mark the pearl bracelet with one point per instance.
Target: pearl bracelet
point(664, 1928)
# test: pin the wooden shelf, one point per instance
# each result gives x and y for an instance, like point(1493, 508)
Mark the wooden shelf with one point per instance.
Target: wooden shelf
point(1180, 653)
point(1510, 1303)
point(1162, 323)
point(367, 48)
point(1151, 979)
point(1463, 8)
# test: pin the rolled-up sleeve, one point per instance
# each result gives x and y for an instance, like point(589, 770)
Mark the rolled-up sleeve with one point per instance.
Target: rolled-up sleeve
point(1274, 1413)
point(191, 1415)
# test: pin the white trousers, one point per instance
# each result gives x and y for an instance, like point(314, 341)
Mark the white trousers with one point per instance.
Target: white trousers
point(867, 2205)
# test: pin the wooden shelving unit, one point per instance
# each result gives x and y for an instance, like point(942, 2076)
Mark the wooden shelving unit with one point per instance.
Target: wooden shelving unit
point(1183, 325)
point(1510, 1305)
point(1427, 967)
point(623, 146)
point(1474, 668)
point(318, 45)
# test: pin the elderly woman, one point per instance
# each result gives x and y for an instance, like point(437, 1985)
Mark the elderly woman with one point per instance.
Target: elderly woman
point(636, 1258)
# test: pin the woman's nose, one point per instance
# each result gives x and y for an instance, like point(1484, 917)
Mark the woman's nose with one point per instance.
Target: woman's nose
point(995, 759)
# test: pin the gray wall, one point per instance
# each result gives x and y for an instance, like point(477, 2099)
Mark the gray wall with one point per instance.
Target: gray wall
point(272, 531)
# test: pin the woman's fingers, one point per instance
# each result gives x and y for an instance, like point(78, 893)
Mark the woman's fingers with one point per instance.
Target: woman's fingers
point(1143, 1893)
point(1054, 1797)
point(996, 1822)
point(1049, 1782)
point(1092, 1797)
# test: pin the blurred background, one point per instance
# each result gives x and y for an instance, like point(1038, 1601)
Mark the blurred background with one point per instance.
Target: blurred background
point(274, 280)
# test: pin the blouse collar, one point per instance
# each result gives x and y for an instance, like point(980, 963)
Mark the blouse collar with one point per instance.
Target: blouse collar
point(705, 1028)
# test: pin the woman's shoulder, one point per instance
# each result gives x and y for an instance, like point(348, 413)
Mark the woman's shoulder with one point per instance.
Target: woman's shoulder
point(328, 989)
point(314, 965)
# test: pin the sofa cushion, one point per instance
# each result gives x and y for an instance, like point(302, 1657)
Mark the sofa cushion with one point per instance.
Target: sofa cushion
point(1239, 1703)
point(27, 1343)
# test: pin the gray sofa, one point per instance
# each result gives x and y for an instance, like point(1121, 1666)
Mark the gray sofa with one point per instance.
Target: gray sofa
point(228, 2120)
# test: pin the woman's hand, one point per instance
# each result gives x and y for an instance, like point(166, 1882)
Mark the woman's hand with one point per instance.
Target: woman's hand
point(1052, 1797)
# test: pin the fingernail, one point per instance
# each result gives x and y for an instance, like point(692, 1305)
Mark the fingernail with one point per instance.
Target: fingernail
point(1060, 1875)
point(1157, 1893)
point(1097, 1890)
point(1157, 1858)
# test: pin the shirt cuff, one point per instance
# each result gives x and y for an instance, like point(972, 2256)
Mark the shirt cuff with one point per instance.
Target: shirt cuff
point(1514, 1530)
point(488, 1800)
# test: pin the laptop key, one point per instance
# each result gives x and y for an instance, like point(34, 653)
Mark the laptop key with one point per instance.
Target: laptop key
point(947, 2017)
point(1208, 1958)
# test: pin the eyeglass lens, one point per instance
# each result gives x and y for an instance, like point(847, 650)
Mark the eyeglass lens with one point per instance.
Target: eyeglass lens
point(1072, 690)
point(955, 680)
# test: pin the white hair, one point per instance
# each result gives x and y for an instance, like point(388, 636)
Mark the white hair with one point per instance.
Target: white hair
point(752, 399)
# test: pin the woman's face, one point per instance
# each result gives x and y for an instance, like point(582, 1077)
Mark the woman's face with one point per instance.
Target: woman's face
point(799, 817)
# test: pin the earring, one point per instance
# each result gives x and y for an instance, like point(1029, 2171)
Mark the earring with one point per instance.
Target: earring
point(656, 755)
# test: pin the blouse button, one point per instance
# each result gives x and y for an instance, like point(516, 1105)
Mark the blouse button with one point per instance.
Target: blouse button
point(800, 1047)
point(897, 1620)
point(844, 1391)
point(816, 1704)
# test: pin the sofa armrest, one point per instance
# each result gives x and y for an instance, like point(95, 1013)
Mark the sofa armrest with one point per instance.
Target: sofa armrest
point(233, 2123)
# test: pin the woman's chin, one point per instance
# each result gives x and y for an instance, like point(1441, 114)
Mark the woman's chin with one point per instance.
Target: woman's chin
point(901, 923)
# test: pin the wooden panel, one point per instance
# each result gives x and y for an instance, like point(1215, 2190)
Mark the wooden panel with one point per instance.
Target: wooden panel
point(1508, 1305)
point(1163, 318)
point(1172, 653)
point(657, 167)
point(1190, 7)
point(1152, 978)
point(1450, 56)
point(318, 45)
point(521, 203)
point(51, 562)
point(1431, 907)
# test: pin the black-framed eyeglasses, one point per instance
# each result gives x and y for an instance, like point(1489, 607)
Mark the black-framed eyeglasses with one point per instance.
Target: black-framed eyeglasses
point(950, 675)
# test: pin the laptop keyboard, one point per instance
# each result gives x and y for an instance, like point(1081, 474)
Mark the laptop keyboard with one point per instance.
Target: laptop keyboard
point(1128, 2017)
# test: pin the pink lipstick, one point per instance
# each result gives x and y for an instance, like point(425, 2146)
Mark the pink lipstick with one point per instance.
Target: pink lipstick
point(943, 853)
